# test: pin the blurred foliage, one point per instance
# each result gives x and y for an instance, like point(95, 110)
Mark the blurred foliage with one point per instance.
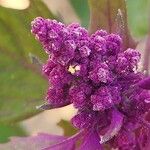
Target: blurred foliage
point(10, 130)
point(138, 11)
point(21, 85)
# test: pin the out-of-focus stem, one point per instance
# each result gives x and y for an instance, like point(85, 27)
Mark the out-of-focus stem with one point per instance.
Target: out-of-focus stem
point(147, 52)
point(147, 55)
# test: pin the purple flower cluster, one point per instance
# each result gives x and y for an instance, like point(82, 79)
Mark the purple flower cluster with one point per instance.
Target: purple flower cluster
point(99, 78)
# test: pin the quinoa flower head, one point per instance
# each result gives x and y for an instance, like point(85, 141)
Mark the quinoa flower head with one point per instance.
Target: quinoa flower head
point(103, 83)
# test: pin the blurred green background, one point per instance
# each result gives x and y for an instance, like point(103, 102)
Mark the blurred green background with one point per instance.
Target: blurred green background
point(22, 87)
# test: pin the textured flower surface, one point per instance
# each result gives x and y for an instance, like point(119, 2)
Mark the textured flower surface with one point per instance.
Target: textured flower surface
point(102, 81)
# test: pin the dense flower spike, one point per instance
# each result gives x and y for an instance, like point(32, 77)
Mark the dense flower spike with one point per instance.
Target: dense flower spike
point(100, 79)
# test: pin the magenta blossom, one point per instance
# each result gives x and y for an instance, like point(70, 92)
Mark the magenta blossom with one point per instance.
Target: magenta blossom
point(102, 81)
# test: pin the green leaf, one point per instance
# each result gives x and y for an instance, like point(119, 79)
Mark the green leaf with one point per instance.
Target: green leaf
point(138, 15)
point(67, 127)
point(21, 84)
point(7, 131)
point(82, 9)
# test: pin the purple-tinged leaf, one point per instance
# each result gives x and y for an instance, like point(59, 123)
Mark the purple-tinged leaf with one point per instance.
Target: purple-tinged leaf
point(31, 143)
point(67, 144)
point(114, 128)
point(145, 83)
point(111, 16)
point(91, 142)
